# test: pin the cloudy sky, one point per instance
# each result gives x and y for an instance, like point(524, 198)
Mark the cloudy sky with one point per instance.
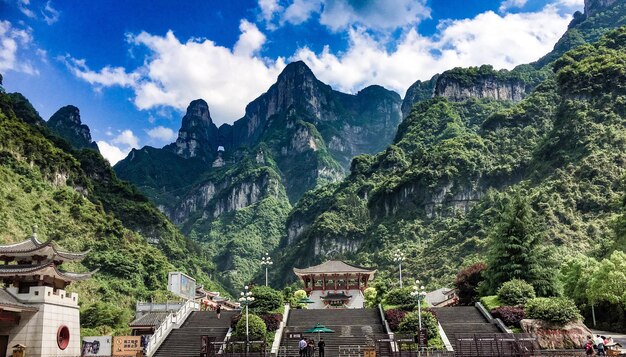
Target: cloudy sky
point(132, 67)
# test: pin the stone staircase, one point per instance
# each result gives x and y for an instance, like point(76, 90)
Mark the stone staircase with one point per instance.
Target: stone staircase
point(355, 329)
point(463, 320)
point(186, 340)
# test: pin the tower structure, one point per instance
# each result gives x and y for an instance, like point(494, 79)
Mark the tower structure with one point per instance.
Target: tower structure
point(35, 309)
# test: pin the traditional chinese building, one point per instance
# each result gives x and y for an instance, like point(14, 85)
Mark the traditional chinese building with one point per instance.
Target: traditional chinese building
point(35, 310)
point(335, 284)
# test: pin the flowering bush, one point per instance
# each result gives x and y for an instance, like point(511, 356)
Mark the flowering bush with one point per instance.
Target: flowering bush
point(272, 321)
point(393, 317)
point(510, 315)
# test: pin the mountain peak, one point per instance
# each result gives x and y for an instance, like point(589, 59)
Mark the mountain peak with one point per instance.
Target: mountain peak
point(294, 70)
point(66, 123)
point(198, 134)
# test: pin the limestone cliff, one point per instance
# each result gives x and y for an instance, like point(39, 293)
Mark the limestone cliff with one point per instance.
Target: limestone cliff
point(198, 135)
point(481, 87)
point(66, 123)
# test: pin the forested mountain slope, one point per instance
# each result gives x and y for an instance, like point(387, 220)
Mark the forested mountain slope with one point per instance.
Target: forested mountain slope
point(74, 197)
point(437, 191)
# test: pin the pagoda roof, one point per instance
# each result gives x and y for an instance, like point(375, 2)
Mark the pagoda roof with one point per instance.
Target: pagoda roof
point(333, 267)
point(47, 269)
point(10, 303)
point(151, 319)
point(32, 246)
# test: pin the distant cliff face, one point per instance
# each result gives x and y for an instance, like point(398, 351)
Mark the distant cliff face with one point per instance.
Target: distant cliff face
point(488, 87)
point(460, 84)
point(594, 6)
point(66, 123)
point(198, 136)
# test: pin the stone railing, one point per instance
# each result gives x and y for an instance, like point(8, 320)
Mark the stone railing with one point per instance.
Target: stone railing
point(279, 332)
point(172, 321)
point(501, 326)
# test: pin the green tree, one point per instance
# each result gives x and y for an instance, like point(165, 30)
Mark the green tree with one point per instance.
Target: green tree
point(516, 292)
point(516, 251)
point(256, 327)
point(608, 281)
point(575, 276)
point(266, 299)
point(370, 296)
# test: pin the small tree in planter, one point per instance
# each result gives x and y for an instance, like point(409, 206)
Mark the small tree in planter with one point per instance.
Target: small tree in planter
point(467, 282)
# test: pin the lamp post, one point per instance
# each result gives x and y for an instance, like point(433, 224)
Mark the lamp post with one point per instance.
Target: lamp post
point(419, 293)
point(398, 257)
point(266, 261)
point(245, 299)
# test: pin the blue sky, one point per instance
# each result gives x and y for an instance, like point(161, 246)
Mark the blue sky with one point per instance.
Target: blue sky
point(133, 66)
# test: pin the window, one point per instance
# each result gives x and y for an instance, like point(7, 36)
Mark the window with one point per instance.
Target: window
point(63, 337)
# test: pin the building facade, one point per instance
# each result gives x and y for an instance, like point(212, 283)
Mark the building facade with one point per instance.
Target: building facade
point(35, 309)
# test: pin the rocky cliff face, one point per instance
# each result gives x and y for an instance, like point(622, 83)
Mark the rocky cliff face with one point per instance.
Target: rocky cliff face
point(66, 123)
point(460, 84)
point(489, 87)
point(417, 92)
point(198, 135)
point(594, 6)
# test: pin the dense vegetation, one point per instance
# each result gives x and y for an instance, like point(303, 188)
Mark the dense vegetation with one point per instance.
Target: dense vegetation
point(74, 198)
point(460, 176)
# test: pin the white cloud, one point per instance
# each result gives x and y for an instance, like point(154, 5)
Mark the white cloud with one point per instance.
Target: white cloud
point(269, 8)
point(250, 40)
point(300, 11)
point(22, 5)
point(510, 4)
point(342, 14)
point(119, 147)
point(50, 14)
point(127, 138)
point(175, 73)
point(503, 41)
point(111, 152)
point(162, 134)
point(107, 76)
point(12, 40)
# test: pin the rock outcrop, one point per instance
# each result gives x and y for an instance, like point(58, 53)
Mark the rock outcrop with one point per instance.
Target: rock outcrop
point(594, 6)
point(484, 87)
point(67, 124)
point(555, 337)
point(198, 135)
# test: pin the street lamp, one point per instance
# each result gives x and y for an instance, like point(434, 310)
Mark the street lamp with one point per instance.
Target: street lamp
point(398, 257)
point(245, 299)
point(419, 293)
point(267, 261)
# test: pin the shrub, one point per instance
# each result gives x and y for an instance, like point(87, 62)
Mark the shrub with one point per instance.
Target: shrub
point(234, 320)
point(555, 310)
point(410, 324)
point(256, 327)
point(400, 296)
point(510, 315)
point(370, 296)
point(266, 299)
point(272, 321)
point(393, 317)
point(515, 292)
point(467, 281)
point(490, 302)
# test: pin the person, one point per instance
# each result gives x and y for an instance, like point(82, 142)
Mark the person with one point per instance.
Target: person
point(302, 346)
point(218, 311)
point(589, 346)
point(600, 345)
point(320, 347)
point(310, 348)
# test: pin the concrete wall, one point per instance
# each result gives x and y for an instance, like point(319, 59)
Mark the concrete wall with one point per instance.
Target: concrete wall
point(38, 331)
